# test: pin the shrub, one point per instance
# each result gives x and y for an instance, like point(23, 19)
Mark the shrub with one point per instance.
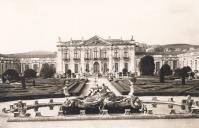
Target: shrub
point(11, 75)
point(147, 65)
point(30, 73)
point(184, 73)
point(165, 71)
point(177, 72)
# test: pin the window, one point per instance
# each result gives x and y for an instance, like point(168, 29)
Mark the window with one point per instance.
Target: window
point(104, 54)
point(75, 54)
point(116, 67)
point(66, 68)
point(105, 67)
point(87, 67)
point(126, 66)
point(196, 65)
point(66, 55)
point(26, 66)
point(174, 64)
point(87, 54)
point(126, 53)
point(116, 53)
point(35, 67)
point(76, 68)
point(95, 53)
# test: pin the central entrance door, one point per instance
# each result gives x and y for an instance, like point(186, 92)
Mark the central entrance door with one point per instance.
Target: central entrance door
point(96, 67)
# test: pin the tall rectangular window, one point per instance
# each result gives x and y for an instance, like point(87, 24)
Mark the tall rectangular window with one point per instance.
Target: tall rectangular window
point(66, 55)
point(174, 64)
point(126, 66)
point(35, 67)
point(26, 66)
point(66, 68)
point(76, 54)
point(116, 53)
point(87, 54)
point(116, 67)
point(95, 53)
point(104, 54)
point(76, 68)
point(126, 53)
point(87, 67)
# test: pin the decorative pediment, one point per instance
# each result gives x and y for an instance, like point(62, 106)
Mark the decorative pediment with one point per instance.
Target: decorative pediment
point(95, 41)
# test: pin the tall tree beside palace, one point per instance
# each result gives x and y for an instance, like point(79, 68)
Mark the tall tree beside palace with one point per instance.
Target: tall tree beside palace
point(47, 71)
point(147, 65)
point(165, 71)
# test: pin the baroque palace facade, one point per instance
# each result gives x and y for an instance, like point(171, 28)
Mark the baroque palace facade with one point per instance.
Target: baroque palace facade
point(95, 55)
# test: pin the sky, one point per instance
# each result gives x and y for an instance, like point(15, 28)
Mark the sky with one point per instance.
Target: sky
point(35, 25)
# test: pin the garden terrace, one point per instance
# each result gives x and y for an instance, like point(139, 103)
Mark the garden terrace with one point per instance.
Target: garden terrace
point(150, 86)
point(76, 86)
point(44, 88)
point(122, 85)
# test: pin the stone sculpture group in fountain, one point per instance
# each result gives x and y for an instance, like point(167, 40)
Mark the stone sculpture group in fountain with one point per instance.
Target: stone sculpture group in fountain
point(99, 100)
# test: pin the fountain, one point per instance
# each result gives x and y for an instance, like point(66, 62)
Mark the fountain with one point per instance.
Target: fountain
point(102, 104)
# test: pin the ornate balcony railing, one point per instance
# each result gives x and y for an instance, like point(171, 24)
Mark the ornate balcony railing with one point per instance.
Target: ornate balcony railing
point(96, 58)
point(104, 58)
point(66, 59)
point(76, 59)
point(86, 58)
point(126, 58)
point(116, 58)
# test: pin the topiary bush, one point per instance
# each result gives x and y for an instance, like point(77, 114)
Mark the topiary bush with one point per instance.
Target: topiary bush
point(30, 73)
point(147, 65)
point(11, 75)
point(47, 71)
point(165, 71)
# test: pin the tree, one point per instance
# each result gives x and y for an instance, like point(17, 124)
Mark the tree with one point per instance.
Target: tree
point(147, 65)
point(184, 73)
point(165, 71)
point(11, 75)
point(177, 72)
point(30, 73)
point(47, 70)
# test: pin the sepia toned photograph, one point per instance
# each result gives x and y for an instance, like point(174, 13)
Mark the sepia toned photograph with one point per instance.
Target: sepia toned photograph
point(99, 64)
